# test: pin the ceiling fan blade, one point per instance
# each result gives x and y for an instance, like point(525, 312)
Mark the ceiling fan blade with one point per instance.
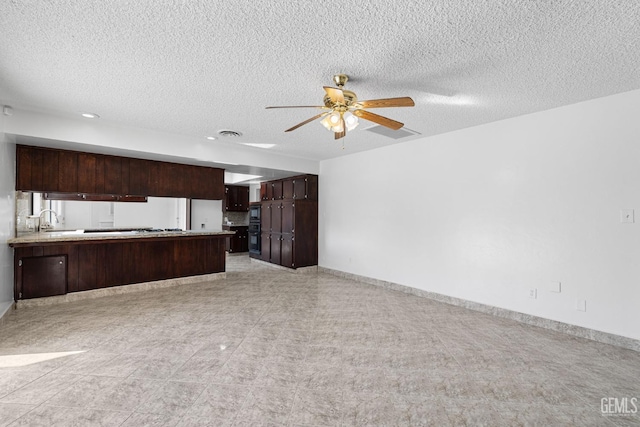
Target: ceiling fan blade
point(335, 94)
point(384, 121)
point(306, 121)
point(298, 106)
point(388, 102)
point(339, 135)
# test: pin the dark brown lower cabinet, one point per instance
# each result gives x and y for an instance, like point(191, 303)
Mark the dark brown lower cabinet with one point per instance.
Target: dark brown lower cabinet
point(55, 269)
point(240, 241)
point(284, 250)
point(275, 240)
point(43, 276)
point(265, 247)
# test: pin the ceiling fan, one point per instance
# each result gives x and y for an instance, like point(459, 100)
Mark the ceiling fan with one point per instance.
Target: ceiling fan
point(342, 109)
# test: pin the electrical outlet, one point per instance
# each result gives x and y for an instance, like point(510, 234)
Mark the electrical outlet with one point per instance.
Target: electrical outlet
point(626, 215)
point(581, 305)
point(533, 293)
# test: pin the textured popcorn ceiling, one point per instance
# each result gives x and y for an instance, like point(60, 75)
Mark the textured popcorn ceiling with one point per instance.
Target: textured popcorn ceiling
point(194, 67)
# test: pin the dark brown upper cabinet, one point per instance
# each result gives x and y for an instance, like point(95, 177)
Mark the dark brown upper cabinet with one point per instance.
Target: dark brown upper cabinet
point(29, 168)
point(305, 187)
point(114, 175)
point(87, 173)
point(236, 198)
point(302, 187)
point(269, 191)
point(277, 190)
point(288, 188)
point(67, 171)
point(139, 176)
point(63, 171)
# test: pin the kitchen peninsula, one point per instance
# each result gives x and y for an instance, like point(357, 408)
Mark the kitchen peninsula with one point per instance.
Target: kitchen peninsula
point(57, 263)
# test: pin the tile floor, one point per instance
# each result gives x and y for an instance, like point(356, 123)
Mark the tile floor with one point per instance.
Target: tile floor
point(267, 347)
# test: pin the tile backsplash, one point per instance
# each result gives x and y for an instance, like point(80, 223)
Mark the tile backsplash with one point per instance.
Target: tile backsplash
point(238, 218)
point(23, 209)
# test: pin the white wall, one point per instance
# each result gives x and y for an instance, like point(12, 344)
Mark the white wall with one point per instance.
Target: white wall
point(254, 193)
point(7, 215)
point(158, 212)
point(207, 213)
point(489, 212)
point(80, 215)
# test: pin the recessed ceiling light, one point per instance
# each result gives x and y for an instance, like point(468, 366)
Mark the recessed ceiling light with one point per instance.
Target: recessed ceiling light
point(260, 145)
point(90, 115)
point(211, 138)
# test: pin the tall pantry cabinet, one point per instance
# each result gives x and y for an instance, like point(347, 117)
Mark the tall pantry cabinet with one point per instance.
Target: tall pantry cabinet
point(289, 222)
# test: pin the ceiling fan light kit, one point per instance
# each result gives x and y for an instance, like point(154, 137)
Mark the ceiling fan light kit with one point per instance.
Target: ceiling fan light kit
point(342, 109)
point(337, 121)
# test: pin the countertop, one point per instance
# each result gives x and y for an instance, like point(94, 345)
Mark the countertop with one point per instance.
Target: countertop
point(73, 236)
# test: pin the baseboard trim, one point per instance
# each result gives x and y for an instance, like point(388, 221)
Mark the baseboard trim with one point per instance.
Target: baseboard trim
point(118, 290)
point(578, 331)
point(5, 309)
point(299, 270)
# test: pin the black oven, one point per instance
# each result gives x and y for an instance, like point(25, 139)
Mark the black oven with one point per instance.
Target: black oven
point(254, 213)
point(255, 246)
point(254, 243)
point(254, 238)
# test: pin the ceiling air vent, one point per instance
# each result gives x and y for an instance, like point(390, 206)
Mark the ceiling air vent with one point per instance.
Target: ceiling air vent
point(393, 134)
point(229, 133)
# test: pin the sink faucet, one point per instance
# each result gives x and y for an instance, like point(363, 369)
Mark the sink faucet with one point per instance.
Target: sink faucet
point(45, 224)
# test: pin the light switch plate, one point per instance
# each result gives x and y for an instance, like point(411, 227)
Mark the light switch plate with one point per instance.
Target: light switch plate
point(581, 305)
point(626, 215)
